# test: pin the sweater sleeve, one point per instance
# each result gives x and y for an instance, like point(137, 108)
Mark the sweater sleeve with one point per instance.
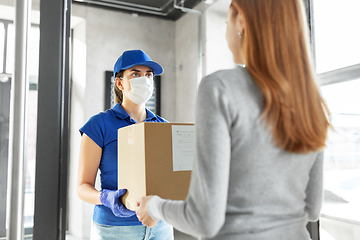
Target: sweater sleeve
point(314, 190)
point(202, 214)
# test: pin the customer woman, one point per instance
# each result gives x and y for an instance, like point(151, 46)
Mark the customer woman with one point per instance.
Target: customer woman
point(133, 74)
point(260, 131)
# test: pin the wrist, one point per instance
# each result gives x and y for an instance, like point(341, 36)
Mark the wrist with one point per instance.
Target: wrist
point(153, 207)
point(103, 197)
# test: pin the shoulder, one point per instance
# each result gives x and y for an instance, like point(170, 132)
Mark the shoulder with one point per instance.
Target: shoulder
point(230, 81)
point(226, 78)
point(154, 117)
point(100, 118)
point(94, 128)
point(97, 118)
point(157, 118)
point(160, 119)
point(106, 115)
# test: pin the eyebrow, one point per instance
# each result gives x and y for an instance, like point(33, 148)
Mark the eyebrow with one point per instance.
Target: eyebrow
point(135, 70)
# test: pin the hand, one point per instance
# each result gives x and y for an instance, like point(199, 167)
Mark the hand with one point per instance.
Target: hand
point(142, 212)
point(111, 199)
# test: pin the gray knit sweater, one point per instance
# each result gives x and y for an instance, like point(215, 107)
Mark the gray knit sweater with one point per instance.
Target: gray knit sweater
point(242, 185)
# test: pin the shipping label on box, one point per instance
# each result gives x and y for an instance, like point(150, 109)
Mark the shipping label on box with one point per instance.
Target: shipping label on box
point(183, 142)
point(155, 159)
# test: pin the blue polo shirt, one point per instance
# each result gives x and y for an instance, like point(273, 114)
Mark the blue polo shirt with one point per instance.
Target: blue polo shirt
point(102, 129)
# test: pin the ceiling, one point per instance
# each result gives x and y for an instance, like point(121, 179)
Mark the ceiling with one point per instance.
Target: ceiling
point(157, 8)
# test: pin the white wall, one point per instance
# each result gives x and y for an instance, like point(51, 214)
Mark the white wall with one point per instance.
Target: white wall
point(218, 55)
point(186, 44)
point(79, 212)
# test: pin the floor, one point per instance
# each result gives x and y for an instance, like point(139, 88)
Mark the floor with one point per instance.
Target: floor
point(182, 236)
point(177, 236)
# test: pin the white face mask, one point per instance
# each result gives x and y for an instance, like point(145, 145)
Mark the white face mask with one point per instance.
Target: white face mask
point(141, 90)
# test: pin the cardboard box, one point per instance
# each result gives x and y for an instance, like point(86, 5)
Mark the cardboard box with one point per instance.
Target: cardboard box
point(146, 152)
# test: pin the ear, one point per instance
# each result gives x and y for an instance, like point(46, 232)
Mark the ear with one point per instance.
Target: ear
point(240, 21)
point(118, 83)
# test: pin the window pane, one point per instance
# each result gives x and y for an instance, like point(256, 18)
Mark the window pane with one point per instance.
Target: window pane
point(5, 86)
point(2, 35)
point(337, 34)
point(30, 160)
point(340, 214)
point(33, 63)
point(32, 103)
point(10, 49)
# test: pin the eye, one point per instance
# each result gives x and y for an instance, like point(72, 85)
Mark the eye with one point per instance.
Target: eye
point(149, 75)
point(135, 74)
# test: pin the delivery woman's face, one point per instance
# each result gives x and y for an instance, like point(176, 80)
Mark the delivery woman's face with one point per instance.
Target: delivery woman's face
point(134, 72)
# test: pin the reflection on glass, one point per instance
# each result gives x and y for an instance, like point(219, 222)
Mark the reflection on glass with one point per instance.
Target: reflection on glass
point(340, 213)
point(337, 34)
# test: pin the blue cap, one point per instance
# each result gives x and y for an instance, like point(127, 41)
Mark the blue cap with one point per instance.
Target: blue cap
point(132, 58)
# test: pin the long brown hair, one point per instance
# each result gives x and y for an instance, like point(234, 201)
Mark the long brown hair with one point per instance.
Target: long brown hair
point(277, 54)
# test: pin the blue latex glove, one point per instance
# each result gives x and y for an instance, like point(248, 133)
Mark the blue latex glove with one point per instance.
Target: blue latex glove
point(111, 199)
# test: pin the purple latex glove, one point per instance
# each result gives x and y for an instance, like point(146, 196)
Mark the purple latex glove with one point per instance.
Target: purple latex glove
point(111, 199)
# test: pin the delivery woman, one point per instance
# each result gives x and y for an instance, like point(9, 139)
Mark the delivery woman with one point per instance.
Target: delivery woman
point(260, 131)
point(133, 74)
